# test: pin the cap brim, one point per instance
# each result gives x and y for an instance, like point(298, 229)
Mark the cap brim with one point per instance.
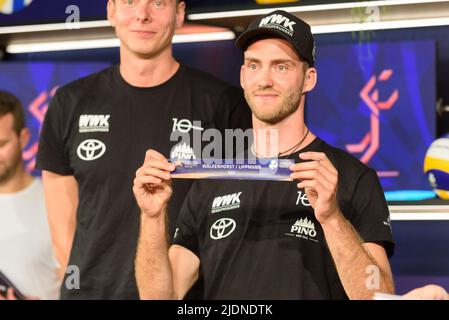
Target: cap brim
point(248, 37)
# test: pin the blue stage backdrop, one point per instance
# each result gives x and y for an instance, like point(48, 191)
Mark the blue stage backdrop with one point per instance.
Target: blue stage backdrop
point(35, 84)
point(23, 12)
point(406, 123)
point(377, 101)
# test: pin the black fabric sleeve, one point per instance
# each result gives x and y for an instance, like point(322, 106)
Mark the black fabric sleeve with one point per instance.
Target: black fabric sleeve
point(371, 217)
point(186, 232)
point(52, 153)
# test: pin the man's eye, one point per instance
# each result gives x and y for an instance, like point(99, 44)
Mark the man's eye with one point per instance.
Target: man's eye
point(252, 66)
point(282, 68)
point(129, 2)
point(158, 4)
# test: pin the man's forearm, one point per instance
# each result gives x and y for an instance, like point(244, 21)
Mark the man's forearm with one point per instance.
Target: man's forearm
point(61, 200)
point(62, 246)
point(353, 261)
point(153, 270)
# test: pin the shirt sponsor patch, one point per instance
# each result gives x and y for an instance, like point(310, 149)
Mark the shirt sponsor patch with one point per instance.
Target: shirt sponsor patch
point(91, 149)
point(222, 228)
point(226, 203)
point(303, 228)
point(94, 123)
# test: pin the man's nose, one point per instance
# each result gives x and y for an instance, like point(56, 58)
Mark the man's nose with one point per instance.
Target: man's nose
point(143, 12)
point(265, 80)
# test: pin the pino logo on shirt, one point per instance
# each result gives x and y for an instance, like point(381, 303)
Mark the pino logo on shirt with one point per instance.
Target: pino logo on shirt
point(222, 228)
point(226, 203)
point(91, 149)
point(303, 228)
point(278, 22)
point(94, 123)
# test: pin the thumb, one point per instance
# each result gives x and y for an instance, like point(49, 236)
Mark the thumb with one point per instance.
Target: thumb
point(153, 155)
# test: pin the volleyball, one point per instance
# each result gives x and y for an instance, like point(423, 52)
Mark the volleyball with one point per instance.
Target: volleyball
point(12, 6)
point(436, 166)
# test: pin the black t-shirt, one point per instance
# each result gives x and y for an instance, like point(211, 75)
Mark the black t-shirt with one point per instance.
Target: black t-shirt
point(98, 129)
point(261, 240)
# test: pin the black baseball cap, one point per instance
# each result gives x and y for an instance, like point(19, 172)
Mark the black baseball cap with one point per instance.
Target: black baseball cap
point(281, 24)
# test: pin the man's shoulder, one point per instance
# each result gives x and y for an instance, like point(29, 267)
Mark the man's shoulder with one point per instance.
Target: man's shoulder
point(342, 159)
point(88, 83)
point(33, 192)
point(351, 173)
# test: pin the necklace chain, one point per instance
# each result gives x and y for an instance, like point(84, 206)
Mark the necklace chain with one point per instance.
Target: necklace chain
point(291, 150)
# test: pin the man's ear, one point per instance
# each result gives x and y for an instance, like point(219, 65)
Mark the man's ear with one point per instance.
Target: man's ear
point(242, 75)
point(310, 79)
point(180, 14)
point(111, 12)
point(24, 137)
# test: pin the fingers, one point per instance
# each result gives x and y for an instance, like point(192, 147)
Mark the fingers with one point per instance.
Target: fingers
point(316, 172)
point(155, 170)
point(153, 155)
point(157, 165)
point(314, 179)
point(428, 292)
point(163, 166)
point(314, 185)
point(319, 173)
point(313, 165)
point(141, 180)
point(321, 158)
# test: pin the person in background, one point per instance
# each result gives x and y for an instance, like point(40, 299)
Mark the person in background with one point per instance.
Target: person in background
point(26, 253)
point(97, 130)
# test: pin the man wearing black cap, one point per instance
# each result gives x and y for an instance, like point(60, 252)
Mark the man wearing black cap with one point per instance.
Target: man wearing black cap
point(324, 236)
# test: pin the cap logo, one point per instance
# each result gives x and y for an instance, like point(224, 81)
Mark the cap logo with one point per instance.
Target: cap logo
point(279, 22)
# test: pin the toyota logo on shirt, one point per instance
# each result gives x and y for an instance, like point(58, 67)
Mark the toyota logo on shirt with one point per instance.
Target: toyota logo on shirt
point(222, 228)
point(91, 149)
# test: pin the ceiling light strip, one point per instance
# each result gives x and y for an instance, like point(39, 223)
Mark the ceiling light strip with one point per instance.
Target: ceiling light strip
point(108, 43)
point(53, 27)
point(382, 25)
point(307, 8)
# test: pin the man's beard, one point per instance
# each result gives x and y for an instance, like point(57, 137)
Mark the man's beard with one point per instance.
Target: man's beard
point(8, 171)
point(275, 113)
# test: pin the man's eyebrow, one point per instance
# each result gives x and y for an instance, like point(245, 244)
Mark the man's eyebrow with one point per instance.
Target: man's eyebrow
point(276, 61)
point(288, 61)
point(252, 59)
